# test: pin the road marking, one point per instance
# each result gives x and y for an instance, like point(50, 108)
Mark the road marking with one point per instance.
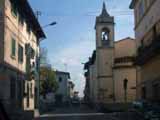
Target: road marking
point(72, 115)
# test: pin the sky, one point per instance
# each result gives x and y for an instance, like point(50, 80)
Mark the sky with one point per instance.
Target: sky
point(72, 40)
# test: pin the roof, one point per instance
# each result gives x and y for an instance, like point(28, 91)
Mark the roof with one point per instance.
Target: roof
point(26, 10)
point(127, 38)
point(104, 17)
point(125, 48)
point(104, 11)
point(132, 4)
point(62, 73)
point(91, 60)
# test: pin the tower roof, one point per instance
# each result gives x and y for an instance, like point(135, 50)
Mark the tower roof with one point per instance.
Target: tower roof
point(104, 17)
point(104, 11)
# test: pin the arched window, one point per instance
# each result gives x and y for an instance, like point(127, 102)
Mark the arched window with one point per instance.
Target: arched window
point(105, 34)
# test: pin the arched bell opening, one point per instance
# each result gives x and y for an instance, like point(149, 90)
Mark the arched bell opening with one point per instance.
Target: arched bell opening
point(105, 36)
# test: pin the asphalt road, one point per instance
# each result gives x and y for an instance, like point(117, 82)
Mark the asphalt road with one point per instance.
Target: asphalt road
point(84, 113)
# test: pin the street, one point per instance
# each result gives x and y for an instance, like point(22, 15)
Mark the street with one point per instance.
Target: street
point(84, 113)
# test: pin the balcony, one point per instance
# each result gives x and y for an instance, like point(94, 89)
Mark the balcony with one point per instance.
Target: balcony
point(146, 53)
point(125, 59)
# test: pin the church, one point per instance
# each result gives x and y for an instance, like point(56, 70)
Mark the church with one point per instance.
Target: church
point(110, 71)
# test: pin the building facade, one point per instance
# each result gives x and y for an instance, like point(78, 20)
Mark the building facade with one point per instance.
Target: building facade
point(20, 35)
point(147, 33)
point(63, 87)
point(71, 86)
point(110, 73)
point(104, 58)
point(125, 71)
point(91, 91)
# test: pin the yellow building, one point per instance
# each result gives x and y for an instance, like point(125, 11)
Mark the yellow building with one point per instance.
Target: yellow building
point(20, 35)
point(147, 33)
point(124, 69)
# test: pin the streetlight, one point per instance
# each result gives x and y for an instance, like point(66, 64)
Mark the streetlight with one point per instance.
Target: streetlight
point(51, 24)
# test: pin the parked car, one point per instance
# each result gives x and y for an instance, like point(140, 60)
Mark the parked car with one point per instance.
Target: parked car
point(152, 112)
point(139, 104)
point(75, 101)
point(149, 111)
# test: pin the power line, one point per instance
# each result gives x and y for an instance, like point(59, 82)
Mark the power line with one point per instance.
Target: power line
point(87, 14)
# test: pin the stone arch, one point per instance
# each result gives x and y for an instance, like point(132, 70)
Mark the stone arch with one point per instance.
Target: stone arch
point(105, 34)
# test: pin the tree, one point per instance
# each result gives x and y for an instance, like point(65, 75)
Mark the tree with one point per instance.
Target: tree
point(48, 81)
point(43, 56)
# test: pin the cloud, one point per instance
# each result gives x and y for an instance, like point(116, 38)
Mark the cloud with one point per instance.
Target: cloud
point(72, 57)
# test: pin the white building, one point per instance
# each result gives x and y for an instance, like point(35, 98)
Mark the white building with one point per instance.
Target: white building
point(63, 80)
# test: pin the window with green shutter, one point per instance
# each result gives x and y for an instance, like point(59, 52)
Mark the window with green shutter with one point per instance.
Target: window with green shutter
point(13, 48)
point(14, 10)
point(20, 54)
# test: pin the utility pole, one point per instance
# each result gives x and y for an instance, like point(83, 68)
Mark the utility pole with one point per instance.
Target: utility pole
point(37, 88)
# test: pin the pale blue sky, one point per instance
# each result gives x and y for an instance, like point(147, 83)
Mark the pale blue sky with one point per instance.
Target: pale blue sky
point(72, 40)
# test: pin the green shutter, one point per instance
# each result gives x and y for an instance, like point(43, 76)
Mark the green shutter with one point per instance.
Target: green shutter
point(14, 9)
point(13, 52)
point(20, 54)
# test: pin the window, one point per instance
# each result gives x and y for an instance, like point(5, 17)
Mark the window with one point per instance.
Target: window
point(13, 48)
point(105, 37)
point(155, 91)
point(60, 79)
point(28, 95)
point(12, 87)
point(143, 93)
point(105, 34)
point(31, 92)
point(20, 54)
point(21, 20)
point(29, 29)
point(141, 9)
point(14, 9)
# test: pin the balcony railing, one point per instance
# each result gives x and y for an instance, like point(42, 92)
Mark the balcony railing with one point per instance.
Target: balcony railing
point(146, 53)
point(125, 59)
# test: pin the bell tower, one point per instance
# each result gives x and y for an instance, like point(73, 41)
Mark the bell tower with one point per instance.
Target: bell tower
point(105, 52)
point(104, 29)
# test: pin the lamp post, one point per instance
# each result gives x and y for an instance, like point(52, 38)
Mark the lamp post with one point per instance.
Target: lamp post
point(50, 24)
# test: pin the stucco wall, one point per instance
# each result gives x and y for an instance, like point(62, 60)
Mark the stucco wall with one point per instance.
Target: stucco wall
point(93, 83)
point(119, 75)
point(105, 61)
point(98, 34)
point(1, 28)
point(63, 86)
point(125, 70)
point(31, 99)
point(149, 74)
point(151, 69)
point(151, 17)
point(125, 47)
point(13, 29)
